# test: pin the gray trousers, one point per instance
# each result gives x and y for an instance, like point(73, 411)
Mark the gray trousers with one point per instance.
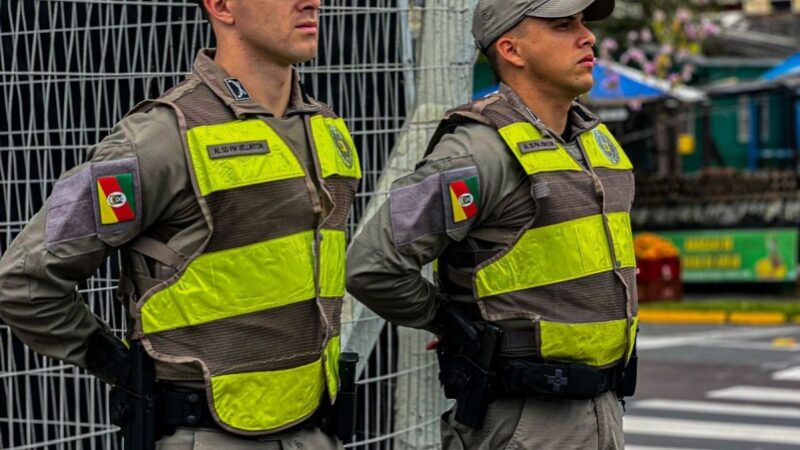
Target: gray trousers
point(213, 439)
point(540, 423)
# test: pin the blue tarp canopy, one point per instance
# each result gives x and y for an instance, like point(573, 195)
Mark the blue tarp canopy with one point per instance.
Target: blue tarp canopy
point(626, 88)
point(790, 66)
point(630, 84)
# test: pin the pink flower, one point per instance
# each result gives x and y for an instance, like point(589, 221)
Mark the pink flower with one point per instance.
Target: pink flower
point(709, 28)
point(691, 31)
point(646, 35)
point(688, 72)
point(659, 16)
point(650, 68)
point(683, 15)
point(609, 44)
point(673, 78)
point(666, 49)
point(637, 55)
point(633, 36)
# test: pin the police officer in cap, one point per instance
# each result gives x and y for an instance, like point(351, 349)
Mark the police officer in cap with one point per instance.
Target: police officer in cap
point(228, 197)
point(523, 199)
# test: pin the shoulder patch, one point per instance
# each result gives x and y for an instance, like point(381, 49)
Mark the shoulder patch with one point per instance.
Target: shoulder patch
point(117, 194)
point(465, 196)
point(116, 199)
point(462, 195)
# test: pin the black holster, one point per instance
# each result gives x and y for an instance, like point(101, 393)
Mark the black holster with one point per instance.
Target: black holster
point(133, 404)
point(468, 357)
point(341, 418)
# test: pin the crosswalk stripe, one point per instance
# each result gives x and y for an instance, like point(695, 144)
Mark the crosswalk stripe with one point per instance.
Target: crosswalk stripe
point(701, 429)
point(790, 374)
point(718, 408)
point(658, 342)
point(757, 393)
point(647, 447)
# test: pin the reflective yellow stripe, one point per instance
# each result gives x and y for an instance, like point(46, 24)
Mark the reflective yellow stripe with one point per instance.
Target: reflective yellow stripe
point(632, 342)
point(335, 147)
point(596, 344)
point(620, 226)
point(332, 263)
point(259, 401)
point(332, 352)
point(539, 160)
point(233, 282)
point(556, 253)
point(609, 158)
point(241, 170)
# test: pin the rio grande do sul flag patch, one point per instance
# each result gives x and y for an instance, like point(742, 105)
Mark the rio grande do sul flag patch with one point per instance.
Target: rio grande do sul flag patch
point(465, 198)
point(116, 198)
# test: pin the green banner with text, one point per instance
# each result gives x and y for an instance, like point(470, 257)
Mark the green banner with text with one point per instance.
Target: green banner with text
point(758, 255)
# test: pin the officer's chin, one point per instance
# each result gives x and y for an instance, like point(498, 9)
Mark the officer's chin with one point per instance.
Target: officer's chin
point(303, 55)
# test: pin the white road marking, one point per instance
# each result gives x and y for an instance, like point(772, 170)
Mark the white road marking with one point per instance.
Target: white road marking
point(740, 345)
point(701, 429)
point(757, 393)
point(790, 374)
point(702, 337)
point(730, 409)
point(646, 447)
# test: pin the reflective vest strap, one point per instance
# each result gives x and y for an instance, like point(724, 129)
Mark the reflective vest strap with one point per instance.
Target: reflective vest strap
point(332, 352)
point(332, 251)
point(239, 153)
point(335, 147)
point(574, 249)
point(603, 149)
point(598, 344)
point(258, 401)
point(278, 272)
point(535, 154)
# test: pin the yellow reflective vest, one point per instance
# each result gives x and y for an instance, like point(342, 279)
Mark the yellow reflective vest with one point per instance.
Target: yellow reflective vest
point(258, 306)
point(571, 272)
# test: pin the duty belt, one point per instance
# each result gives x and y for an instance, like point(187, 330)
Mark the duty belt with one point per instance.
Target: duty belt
point(523, 377)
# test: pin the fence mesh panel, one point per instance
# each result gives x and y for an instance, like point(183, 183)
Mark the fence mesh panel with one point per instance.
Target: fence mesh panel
point(69, 69)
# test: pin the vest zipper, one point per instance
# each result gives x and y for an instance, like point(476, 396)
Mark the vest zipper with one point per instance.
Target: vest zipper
point(316, 248)
point(609, 237)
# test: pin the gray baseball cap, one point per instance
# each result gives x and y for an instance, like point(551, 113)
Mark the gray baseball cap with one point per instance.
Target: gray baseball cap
point(492, 18)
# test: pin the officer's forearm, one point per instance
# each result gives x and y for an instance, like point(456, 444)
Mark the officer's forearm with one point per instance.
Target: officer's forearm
point(401, 296)
point(38, 301)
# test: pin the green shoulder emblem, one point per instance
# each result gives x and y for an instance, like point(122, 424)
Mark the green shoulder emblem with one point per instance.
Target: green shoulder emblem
point(345, 152)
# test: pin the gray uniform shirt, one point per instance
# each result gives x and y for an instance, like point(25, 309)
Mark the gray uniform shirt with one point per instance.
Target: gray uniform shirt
point(65, 242)
point(385, 260)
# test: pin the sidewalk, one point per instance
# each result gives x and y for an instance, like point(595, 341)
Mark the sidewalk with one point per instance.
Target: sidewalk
point(709, 311)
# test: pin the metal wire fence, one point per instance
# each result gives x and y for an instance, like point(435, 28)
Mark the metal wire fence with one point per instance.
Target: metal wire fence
point(69, 69)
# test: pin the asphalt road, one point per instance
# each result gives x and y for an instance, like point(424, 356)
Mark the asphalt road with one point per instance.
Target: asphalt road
point(731, 388)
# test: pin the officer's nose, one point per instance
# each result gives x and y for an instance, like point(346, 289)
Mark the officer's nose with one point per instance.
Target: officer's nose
point(306, 5)
point(587, 39)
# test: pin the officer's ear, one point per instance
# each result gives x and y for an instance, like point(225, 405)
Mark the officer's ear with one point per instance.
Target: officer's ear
point(218, 11)
point(507, 51)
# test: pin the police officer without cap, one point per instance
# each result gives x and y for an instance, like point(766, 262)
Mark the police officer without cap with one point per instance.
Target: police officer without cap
point(228, 196)
point(524, 199)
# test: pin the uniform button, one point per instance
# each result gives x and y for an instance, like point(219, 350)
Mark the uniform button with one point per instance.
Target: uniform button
point(192, 398)
point(617, 264)
point(191, 420)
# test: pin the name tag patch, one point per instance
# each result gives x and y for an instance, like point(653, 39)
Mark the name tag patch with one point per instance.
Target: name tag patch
point(237, 149)
point(535, 146)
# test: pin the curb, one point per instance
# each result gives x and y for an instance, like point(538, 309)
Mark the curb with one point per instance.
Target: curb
point(714, 317)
